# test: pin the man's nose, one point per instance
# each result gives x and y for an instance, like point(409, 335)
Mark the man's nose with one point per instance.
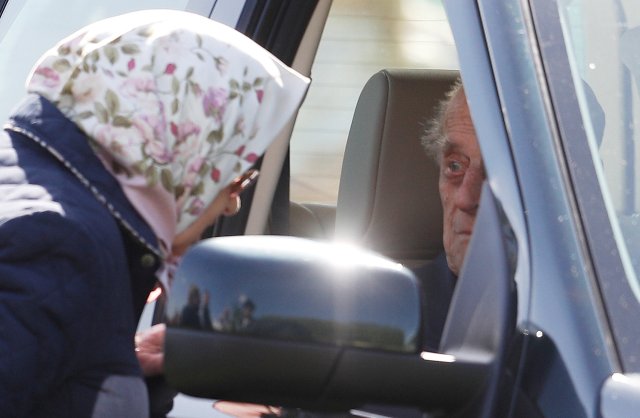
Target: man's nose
point(468, 195)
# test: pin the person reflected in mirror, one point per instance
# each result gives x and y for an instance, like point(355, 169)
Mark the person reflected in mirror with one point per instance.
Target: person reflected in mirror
point(132, 139)
point(450, 139)
point(243, 314)
point(195, 314)
point(205, 313)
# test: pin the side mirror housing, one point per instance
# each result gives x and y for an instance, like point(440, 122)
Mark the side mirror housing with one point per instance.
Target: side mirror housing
point(289, 321)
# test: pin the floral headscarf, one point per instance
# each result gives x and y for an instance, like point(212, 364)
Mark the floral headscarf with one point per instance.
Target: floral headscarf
point(174, 104)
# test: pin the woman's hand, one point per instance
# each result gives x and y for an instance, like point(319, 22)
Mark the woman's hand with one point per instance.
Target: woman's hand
point(150, 350)
point(246, 410)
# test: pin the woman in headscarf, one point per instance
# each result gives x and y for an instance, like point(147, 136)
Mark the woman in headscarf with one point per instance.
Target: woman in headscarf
point(129, 145)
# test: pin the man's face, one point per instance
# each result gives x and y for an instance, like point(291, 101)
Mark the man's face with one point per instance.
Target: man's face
point(461, 177)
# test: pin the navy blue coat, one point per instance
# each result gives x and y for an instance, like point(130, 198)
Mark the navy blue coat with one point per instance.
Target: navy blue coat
point(438, 283)
point(76, 265)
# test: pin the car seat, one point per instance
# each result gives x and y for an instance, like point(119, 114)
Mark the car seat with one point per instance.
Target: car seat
point(388, 199)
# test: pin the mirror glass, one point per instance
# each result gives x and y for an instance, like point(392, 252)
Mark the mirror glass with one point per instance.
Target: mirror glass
point(288, 288)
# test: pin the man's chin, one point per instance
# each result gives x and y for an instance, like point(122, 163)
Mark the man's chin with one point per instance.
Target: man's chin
point(456, 253)
point(461, 244)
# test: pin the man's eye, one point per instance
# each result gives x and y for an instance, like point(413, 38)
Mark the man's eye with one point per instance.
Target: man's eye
point(455, 166)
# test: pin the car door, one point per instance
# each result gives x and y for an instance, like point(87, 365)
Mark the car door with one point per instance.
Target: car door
point(556, 136)
point(498, 316)
point(560, 267)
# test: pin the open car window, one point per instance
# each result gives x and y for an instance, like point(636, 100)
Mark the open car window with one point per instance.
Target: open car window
point(356, 43)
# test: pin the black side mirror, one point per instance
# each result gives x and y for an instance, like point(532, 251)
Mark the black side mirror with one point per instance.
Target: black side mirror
point(289, 321)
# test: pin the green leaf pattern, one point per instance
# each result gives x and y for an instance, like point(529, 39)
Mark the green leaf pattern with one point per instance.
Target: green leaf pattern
point(179, 114)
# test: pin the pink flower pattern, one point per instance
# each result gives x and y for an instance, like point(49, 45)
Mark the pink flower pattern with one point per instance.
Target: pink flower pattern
point(214, 102)
point(252, 157)
point(185, 129)
point(173, 110)
point(196, 207)
point(50, 77)
point(215, 175)
point(170, 69)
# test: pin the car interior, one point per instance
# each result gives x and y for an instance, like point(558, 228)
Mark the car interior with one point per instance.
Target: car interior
point(388, 199)
point(389, 203)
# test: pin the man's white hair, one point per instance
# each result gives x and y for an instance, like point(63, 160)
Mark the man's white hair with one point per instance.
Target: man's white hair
point(434, 137)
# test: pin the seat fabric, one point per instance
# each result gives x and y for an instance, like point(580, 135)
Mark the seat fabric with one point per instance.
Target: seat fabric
point(388, 199)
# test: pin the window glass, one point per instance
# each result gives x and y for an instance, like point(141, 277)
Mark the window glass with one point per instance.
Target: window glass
point(29, 28)
point(360, 38)
point(602, 40)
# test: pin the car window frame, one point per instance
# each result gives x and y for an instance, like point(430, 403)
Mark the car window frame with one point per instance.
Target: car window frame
point(599, 236)
point(279, 27)
point(515, 122)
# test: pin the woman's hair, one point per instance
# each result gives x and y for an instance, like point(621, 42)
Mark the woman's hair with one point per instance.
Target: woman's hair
point(434, 137)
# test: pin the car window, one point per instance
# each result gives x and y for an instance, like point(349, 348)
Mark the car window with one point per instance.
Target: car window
point(357, 42)
point(606, 74)
point(594, 84)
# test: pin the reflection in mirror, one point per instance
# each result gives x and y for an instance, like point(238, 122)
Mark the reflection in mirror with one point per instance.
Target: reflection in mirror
point(286, 288)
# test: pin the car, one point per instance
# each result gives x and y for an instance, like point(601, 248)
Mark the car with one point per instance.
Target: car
point(543, 321)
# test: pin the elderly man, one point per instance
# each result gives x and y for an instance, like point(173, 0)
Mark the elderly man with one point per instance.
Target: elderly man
point(451, 140)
